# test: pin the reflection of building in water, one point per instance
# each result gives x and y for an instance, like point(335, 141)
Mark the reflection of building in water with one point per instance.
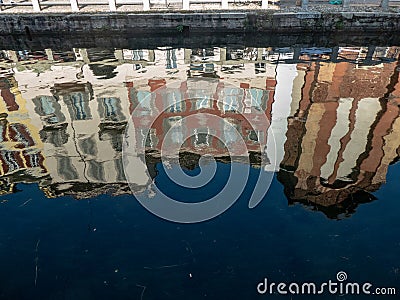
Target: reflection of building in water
point(172, 104)
point(82, 107)
point(82, 125)
point(240, 94)
point(20, 155)
point(342, 135)
point(335, 134)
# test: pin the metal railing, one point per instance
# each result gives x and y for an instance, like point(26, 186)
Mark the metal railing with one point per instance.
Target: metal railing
point(147, 5)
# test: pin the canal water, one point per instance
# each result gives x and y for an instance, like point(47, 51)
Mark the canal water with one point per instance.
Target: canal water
point(91, 138)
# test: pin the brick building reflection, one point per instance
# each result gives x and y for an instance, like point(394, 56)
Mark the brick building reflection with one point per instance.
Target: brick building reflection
point(342, 136)
point(239, 106)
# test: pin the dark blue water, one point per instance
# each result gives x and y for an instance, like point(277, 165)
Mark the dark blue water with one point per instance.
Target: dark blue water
point(112, 248)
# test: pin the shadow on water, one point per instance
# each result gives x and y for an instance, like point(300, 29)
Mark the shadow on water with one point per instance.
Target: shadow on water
point(178, 39)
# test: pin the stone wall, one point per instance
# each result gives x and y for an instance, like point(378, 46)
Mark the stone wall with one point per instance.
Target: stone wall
point(148, 30)
point(249, 21)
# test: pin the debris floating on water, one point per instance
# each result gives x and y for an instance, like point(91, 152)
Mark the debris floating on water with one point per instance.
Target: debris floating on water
point(144, 288)
point(25, 203)
point(36, 261)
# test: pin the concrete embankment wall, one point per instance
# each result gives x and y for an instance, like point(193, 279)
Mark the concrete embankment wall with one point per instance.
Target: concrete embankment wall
point(196, 22)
